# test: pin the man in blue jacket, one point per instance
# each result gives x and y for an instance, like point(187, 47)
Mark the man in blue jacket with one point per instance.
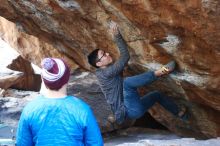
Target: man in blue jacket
point(54, 118)
point(122, 94)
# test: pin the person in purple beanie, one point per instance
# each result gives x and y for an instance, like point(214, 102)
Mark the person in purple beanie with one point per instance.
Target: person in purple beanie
point(55, 118)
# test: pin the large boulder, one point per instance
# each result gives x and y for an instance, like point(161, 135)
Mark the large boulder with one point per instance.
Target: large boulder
point(30, 80)
point(9, 77)
point(156, 32)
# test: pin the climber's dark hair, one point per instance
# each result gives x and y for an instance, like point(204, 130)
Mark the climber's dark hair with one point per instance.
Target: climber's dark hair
point(92, 58)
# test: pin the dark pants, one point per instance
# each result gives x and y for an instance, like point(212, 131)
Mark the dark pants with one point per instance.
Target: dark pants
point(135, 104)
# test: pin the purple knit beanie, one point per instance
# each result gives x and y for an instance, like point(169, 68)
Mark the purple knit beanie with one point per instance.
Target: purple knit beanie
point(55, 73)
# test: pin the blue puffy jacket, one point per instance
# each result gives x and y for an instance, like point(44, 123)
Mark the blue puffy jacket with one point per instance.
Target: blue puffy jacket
point(58, 122)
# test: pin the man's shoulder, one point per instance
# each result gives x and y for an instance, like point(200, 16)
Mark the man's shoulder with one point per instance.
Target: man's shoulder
point(78, 102)
point(33, 103)
point(99, 72)
point(104, 72)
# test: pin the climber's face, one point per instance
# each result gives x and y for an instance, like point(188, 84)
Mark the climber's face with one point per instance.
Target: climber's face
point(104, 59)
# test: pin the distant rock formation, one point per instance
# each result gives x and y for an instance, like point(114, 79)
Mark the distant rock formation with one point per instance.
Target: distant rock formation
point(30, 81)
point(9, 77)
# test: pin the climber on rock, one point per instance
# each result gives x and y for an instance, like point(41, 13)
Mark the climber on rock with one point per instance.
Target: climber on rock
point(122, 94)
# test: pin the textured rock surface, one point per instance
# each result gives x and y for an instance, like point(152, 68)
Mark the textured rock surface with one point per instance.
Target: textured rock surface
point(30, 80)
point(156, 31)
point(30, 47)
point(9, 78)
